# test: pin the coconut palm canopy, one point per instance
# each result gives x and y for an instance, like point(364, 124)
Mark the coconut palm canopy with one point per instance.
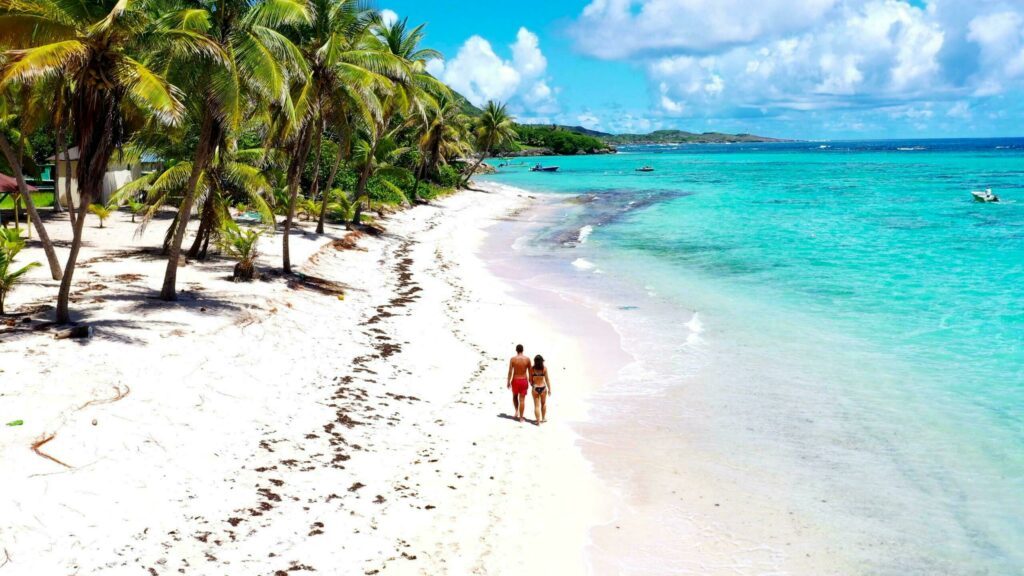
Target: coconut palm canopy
point(254, 104)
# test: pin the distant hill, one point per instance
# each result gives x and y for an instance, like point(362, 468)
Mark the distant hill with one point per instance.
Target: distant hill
point(467, 107)
point(578, 130)
point(684, 137)
point(661, 136)
point(561, 139)
point(544, 139)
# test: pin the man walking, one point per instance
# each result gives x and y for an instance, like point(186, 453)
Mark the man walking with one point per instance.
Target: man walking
point(518, 380)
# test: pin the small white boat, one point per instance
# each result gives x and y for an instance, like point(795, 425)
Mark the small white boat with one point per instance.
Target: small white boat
point(645, 169)
point(985, 195)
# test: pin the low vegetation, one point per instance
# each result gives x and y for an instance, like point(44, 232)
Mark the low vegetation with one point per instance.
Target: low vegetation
point(101, 212)
point(558, 140)
point(10, 244)
point(241, 244)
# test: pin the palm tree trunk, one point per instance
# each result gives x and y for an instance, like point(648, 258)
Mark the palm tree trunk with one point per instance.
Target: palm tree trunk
point(67, 182)
point(315, 186)
point(364, 177)
point(58, 138)
point(206, 244)
point(416, 185)
point(207, 138)
point(475, 166)
point(63, 314)
point(94, 112)
point(30, 207)
point(204, 227)
point(294, 171)
point(327, 190)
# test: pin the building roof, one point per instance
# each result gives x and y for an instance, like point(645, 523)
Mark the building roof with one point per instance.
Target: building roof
point(10, 184)
point(73, 154)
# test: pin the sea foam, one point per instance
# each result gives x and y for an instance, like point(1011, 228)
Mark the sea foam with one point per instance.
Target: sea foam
point(582, 264)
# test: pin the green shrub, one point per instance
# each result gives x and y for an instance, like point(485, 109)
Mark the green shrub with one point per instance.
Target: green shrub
point(101, 212)
point(10, 244)
point(241, 244)
point(387, 191)
point(448, 176)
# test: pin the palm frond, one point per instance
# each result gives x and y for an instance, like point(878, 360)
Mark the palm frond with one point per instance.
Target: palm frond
point(44, 61)
point(108, 22)
point(259, 68)
point(25, 30)
point(150, 91)
point(277, 13)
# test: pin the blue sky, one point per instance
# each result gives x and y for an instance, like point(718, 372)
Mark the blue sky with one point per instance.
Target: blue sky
point(790, 68)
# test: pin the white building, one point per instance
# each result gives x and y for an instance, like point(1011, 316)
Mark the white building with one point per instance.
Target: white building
point(118, 173)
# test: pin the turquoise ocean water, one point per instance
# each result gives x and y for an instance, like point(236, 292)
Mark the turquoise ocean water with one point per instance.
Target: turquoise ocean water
point(840, 316)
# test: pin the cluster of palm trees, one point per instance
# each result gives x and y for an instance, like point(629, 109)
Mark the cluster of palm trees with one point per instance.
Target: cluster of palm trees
point(238, 96)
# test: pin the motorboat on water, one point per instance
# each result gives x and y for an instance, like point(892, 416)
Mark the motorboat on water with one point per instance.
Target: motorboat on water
point(985, 195)
point(645, 169)
point(539, 168)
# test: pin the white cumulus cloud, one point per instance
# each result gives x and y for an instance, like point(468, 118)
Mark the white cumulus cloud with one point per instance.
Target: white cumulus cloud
point(480, 74)
point(884, 49)
point(389, 17)
point(623, 28)
point(1000, 38)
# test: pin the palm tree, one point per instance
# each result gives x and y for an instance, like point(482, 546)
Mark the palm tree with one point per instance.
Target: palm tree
point(232, 175)
point(376, 152)
point(242, 246)
point(14, 160)
point(101, 47)
point(102, 212)
point(346, 72)
point(229, 174)
point(419, 86)
point(342, 72)
point(493, 128)
point(444, 135)
point(252, 59)
point(411, 94)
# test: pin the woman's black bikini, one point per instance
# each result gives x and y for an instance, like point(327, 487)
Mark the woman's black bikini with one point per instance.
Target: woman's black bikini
point(538, 389)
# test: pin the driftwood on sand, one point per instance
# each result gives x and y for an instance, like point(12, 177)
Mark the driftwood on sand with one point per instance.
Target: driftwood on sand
point(39, 444)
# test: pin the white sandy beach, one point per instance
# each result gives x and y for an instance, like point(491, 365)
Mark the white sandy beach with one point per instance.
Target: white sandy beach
point(273, 427)
point(263, 429)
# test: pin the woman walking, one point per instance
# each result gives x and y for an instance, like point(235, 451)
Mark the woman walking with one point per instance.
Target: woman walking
point(541, 385)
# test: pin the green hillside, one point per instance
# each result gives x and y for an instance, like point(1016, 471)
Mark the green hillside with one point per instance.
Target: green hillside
point(684, 137)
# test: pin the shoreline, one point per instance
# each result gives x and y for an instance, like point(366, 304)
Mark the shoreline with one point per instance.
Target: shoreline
point(680, 506)
point(270, 427)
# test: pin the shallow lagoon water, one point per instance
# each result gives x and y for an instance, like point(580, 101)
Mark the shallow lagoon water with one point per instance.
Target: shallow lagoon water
point(841, 318)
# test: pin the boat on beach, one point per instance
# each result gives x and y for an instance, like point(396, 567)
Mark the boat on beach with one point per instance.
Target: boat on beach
point(985, 195)
point(645, 169)
point(539, 168)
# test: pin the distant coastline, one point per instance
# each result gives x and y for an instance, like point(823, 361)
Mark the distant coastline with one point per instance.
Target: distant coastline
point(684, 137)
point(560, 140)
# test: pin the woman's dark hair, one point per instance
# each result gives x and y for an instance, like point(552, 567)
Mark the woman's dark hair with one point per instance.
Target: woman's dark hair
point(538, 363)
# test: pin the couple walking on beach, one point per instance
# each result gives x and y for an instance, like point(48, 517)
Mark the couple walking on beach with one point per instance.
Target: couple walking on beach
point(524, 376)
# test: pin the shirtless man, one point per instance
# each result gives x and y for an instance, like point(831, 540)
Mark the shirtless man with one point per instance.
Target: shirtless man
point(518, 380)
